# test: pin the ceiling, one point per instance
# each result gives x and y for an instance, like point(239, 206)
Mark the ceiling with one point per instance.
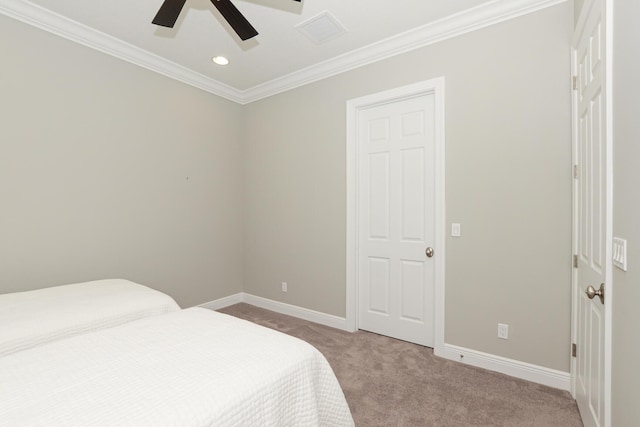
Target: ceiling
point(280, 57)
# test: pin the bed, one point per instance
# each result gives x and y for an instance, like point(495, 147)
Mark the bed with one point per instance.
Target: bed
point(36, 317)
point(192, 367)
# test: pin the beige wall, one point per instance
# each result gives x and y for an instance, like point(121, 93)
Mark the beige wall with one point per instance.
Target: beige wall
point(577, 8)
point(508, 156)
point(94, 155)
point(626, 213)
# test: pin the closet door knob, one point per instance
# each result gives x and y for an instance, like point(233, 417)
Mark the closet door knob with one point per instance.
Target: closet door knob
point(591, 292)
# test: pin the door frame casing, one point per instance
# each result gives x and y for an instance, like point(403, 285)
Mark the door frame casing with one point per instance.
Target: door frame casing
point(607, 7)
point(434, 87)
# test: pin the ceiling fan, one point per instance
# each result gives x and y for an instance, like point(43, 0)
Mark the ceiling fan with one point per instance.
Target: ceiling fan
point(170, 9)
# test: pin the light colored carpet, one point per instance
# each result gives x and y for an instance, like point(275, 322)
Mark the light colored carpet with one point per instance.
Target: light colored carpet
point(394, 383)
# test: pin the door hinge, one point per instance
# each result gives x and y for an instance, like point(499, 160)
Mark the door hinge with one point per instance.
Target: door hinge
point(575, 261)
point(575, 82)
point(574, 349)
point(576, 171)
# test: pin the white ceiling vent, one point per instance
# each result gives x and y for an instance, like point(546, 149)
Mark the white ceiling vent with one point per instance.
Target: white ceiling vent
point(322, 27)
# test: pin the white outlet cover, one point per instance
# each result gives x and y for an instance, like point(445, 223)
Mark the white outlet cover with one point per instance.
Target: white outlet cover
point(503, 331)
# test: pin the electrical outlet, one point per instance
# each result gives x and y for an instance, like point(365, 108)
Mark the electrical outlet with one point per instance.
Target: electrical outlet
point(284, 286)
point(503, 331)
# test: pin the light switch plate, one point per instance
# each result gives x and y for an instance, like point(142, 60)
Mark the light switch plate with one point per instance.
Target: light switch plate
point(620, 253)
point(455, 230)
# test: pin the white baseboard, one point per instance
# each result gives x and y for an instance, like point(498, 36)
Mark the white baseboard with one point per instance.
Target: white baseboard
point(223, 302)
point(514, 368)
point(279, 307)
point(299, 312)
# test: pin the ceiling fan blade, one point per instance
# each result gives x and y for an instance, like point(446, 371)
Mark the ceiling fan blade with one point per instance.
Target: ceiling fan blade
point(168, 13)
point(237, 21)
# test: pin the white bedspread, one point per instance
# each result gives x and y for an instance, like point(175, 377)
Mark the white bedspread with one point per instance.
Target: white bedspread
point(194, 367)
point(31, 318)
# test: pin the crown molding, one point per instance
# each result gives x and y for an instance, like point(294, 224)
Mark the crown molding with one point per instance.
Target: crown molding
point(59, 25)
point(482, 16)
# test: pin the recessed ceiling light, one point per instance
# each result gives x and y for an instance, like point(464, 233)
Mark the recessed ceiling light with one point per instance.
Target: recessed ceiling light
point(220, 60)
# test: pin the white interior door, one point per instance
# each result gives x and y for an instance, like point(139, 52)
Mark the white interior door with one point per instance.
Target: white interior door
point(396, 220)
point(591, 216)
